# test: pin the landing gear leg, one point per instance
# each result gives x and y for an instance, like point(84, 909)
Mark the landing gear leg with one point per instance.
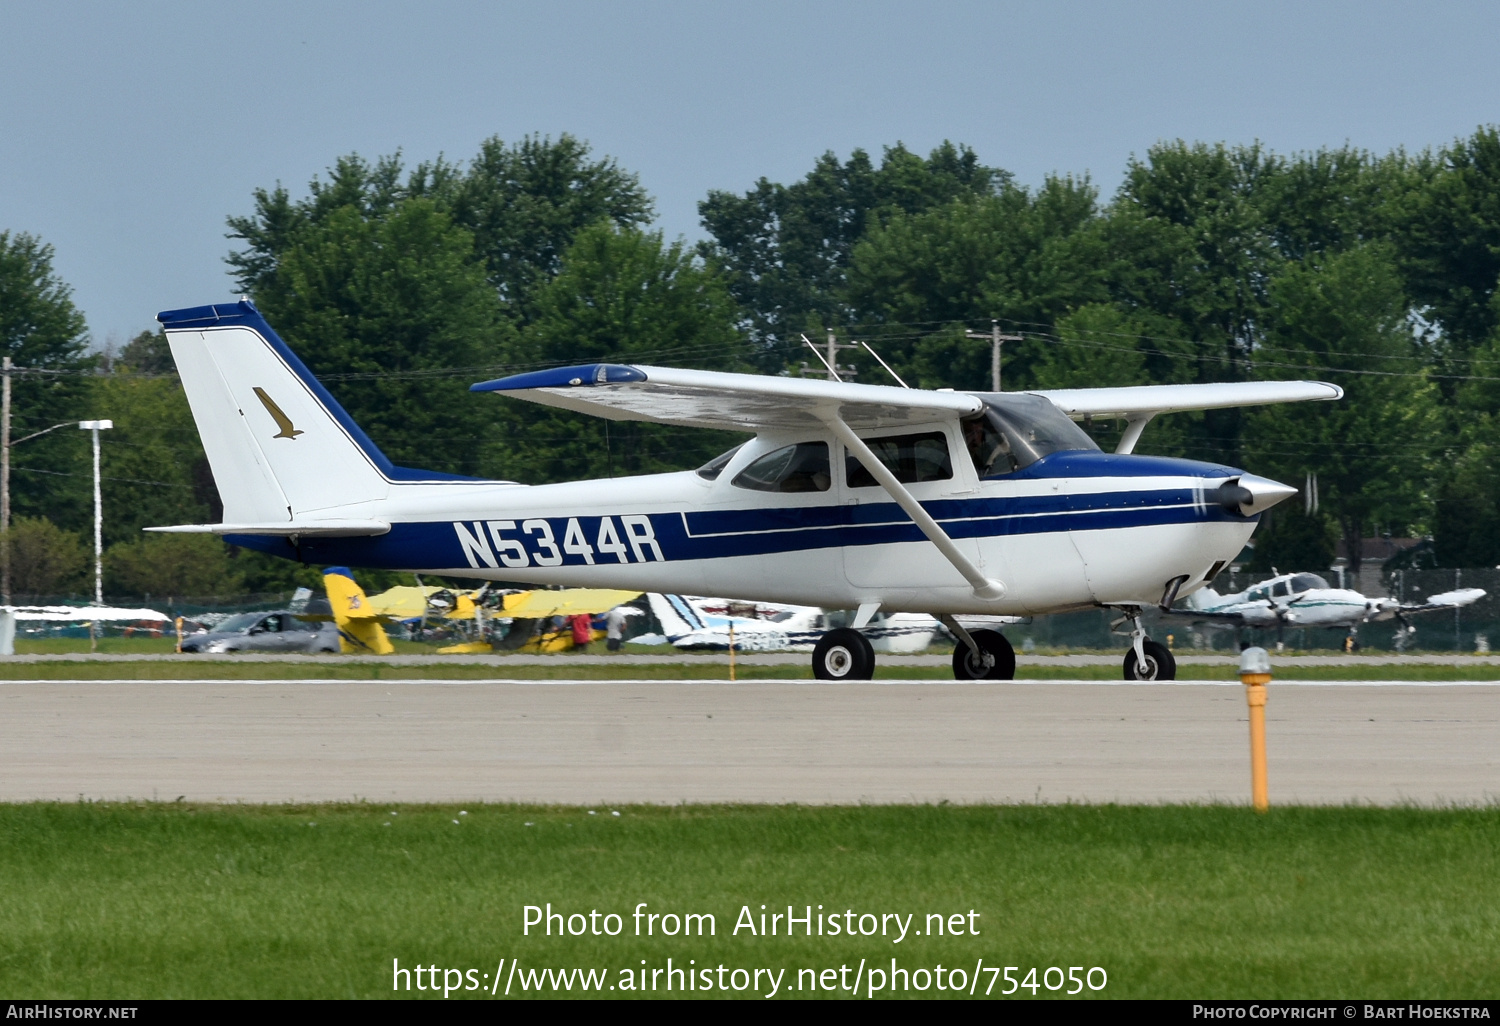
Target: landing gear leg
point(981, 654)
point(1147, 659)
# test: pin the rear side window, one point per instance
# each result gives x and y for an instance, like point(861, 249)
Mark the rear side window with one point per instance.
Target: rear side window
point(796, 468)
point(911, 458)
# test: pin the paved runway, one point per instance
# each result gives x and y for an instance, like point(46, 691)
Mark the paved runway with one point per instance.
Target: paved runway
point(666, 742)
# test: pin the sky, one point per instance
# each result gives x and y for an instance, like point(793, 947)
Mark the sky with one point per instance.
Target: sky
point(129, 132)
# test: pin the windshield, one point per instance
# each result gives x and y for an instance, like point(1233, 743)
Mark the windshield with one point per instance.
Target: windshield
point(1015, 430)
point(1308, 582)
point(239, 623)
point(711, 470)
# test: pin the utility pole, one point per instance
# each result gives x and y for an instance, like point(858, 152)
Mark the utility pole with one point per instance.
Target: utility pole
point(996, 340)
point(96, 426)
point(5, 481)
point(830, 361)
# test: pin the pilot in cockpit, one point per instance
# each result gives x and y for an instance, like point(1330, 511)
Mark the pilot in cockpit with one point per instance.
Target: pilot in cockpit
point(986, 446)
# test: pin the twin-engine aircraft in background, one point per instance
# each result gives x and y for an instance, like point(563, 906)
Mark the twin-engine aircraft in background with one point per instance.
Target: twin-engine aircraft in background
point(848, 496)
point(1306, 600)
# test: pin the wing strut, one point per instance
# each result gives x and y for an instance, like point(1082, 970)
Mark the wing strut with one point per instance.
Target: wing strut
point(1134, 425)
point(984, 588)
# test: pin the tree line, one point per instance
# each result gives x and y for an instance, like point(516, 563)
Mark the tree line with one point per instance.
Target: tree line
point(401, 284)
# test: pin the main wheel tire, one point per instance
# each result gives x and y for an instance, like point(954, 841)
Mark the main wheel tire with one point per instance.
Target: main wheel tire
point(1159, 663)
point(843, 654)
point(1000, 663)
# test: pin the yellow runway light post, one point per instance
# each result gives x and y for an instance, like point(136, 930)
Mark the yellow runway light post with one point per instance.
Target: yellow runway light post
point(1255, 671)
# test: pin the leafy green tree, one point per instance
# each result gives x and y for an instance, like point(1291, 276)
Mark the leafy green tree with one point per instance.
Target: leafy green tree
point(152, 467)
point(525, 204)
point(1025, 258)
point(395, 316)
point(1466, 521)
point(622, 296)
point(45, 561)
point(787, 248)
point(1291, 539)
point(44, 334)
point(1449, 240)
point(1371, 450)
point(167, 566)
point(146, 353)
point(522, 205)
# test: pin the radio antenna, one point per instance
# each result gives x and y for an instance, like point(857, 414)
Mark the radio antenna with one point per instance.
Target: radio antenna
point(825, 363)
point(884, 364)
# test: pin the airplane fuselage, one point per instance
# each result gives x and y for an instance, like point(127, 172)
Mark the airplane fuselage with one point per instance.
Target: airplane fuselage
point(1073, 530)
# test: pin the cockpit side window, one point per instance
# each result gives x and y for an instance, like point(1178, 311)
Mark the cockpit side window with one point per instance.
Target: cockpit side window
point(911, 459)
point(1278, 590)
point(1015, 430)
point(803, 467)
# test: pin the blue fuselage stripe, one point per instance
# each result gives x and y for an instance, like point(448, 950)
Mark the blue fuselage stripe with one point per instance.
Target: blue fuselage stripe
point(676, 536)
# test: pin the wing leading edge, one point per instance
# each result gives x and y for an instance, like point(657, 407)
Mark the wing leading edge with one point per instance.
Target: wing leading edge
point(757, 402)
point(736, 402)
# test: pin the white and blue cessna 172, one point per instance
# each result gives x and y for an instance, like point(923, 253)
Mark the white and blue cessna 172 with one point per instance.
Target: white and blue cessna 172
point(849, 496)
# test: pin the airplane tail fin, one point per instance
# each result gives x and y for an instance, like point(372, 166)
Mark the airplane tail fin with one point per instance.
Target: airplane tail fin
point(1202, 598)
point(359, 626)
point(677, 617)
point(280, 446)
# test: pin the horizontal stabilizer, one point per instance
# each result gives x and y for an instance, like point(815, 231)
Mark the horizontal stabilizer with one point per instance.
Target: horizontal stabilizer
point(286, 528)
point(1447, 600)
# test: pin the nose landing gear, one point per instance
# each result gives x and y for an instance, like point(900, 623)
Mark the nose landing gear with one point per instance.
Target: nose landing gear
point(1147, 659)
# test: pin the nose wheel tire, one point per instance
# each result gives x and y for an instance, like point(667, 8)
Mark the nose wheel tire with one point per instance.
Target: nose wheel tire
point(998, 663)
point(843, 654)
point(1159, 664)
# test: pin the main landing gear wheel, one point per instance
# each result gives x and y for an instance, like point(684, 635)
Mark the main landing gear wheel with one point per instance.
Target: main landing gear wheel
point(999, 661)
point(1159, 664)
point(843, 654)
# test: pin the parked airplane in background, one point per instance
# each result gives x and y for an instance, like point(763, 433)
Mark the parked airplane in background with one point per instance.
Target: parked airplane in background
point(1306, 600)
point(688, 623)
point(865, 497)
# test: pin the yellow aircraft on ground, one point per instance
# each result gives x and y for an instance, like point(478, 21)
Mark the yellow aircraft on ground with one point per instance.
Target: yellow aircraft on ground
point(359, 622)
point(525, 607)
point(360, 618)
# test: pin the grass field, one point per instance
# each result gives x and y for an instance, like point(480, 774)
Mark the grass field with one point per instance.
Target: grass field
point(139, 901)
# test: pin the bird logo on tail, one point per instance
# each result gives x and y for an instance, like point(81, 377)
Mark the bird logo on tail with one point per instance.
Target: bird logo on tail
point(288, 429)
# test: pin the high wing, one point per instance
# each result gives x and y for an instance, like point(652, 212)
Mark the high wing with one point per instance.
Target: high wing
point(1137, 404)
point(734, 402)
point(567, 602)
point(757, 402)
point(1135, 401)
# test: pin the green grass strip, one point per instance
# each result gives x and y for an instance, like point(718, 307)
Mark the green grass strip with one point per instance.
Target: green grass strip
point(164, 901)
